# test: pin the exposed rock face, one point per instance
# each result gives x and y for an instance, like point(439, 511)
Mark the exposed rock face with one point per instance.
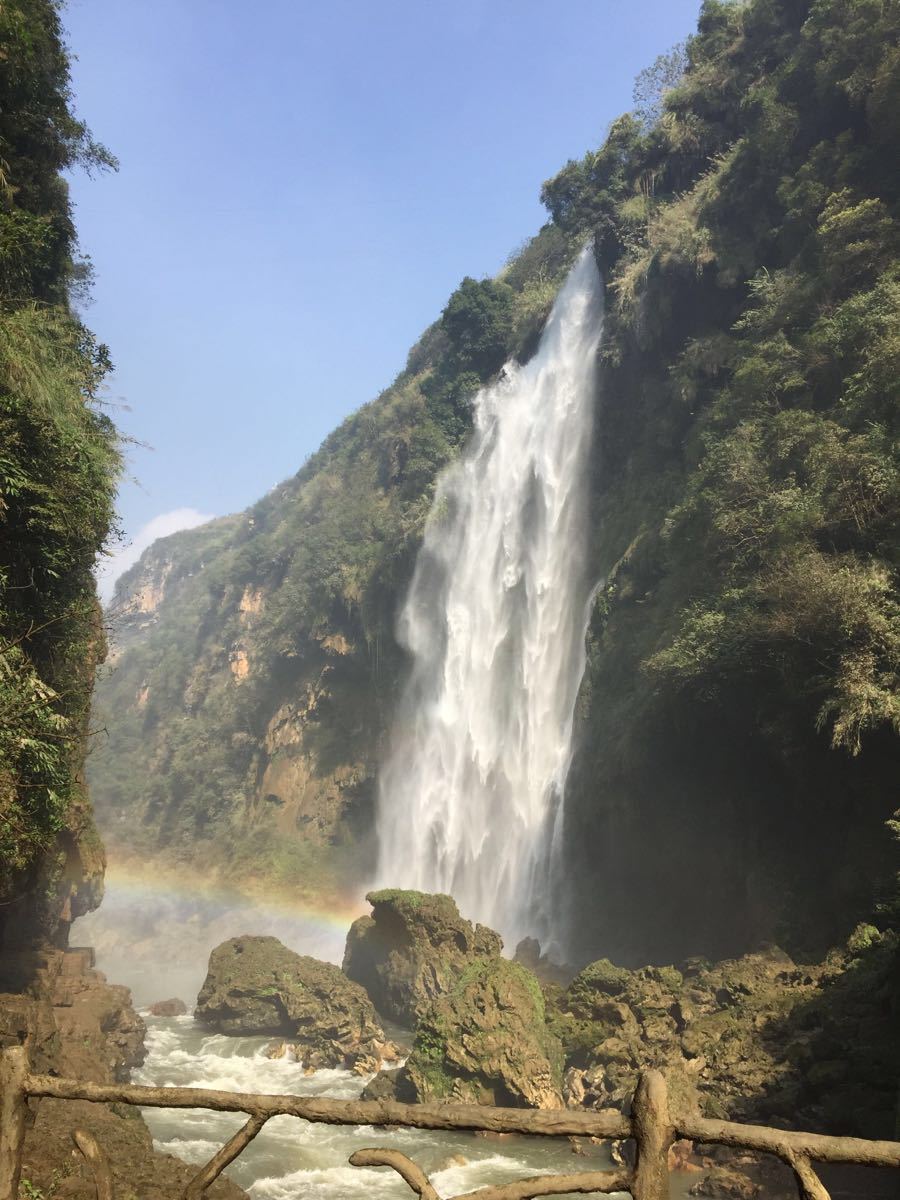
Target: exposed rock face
point(725, 1184)
point(65, 883)
point(412, 949)
point(391, 1084)
point(486, 1042)
point(528, 953)
point(614, 1022)
point(371, 1060)
point(755, 1038)
point(293, 734)
point(168, 1008)
point(258, 985)
point(76, 1024)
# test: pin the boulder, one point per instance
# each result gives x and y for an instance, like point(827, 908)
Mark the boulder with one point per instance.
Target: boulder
point(168, 1008)
point(722, 1183)
point(412, 949)
point(486, 1042)
point(369, 1061)
point(721, 1032)
point(390, 1084)
point(528, 953)
point(256, 985)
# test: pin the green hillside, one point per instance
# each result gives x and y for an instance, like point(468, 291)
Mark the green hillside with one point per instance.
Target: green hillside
point(737, 730)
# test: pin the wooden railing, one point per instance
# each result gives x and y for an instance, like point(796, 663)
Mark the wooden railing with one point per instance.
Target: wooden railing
point(652, 1126)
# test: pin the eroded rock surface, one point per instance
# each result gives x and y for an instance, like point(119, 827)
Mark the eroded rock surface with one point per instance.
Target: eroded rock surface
point(757, 1038)
point(168, 1008)
point(412, 949)
point(77, 1025)
point(256, 985)
point(486, 1042)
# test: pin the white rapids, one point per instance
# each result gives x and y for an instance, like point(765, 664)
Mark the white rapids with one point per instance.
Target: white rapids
point(294, 1160)
point(470, 797)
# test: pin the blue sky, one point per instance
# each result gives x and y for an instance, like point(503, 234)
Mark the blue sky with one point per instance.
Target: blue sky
point(302, 185)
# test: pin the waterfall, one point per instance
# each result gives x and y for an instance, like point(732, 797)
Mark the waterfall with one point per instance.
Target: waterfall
point(470, 797)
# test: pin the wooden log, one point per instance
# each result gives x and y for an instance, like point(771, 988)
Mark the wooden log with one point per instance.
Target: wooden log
point(409, 1171)
point(819, 1147)
point(13, 1111)
point(519, 1189)
point(99, 1164)
point(653, 1135)
point(219, 1161)
point(603, 1182)
point(653, 1127)
point(809, 1185)
point(546, 1122)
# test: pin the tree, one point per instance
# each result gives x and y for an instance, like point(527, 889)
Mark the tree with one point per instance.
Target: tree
point(478, 320)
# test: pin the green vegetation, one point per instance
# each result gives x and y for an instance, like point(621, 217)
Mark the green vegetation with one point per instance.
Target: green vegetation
point(305, 584)
point(737, 727)
point(740, 710)
point(58, 467)
point(484, 1040)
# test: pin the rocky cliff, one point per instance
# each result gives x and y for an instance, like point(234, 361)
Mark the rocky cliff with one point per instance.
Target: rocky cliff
point(737, 725)
point(76, 1024)
point(254, 661)
point(59, 464)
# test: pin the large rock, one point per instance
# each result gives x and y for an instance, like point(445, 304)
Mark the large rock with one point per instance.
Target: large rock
point(77, 1025)
point(257, 985)
point(168, 1008)
point(756, 1038)
point(486, 1042)
point(412, 949)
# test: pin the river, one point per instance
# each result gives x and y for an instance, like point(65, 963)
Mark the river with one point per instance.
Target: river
point(292, 1159)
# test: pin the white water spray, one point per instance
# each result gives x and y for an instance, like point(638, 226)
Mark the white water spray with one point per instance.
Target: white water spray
point(470, 799)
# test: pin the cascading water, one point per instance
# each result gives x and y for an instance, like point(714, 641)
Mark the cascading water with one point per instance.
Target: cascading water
point(470, 799)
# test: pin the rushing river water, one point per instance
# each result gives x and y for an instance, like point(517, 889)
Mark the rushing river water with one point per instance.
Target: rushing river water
point(292, 1159)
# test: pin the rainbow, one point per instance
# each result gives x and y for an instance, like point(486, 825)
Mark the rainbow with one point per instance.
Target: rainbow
point(134, 881)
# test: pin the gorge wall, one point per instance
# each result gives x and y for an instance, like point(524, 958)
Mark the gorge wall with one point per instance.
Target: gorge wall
point(59, 464)
point(255, 665)
point(736, 733)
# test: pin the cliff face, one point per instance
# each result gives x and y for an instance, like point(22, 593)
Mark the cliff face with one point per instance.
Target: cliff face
point(58, 468)
point(250, 764)
point(254, 663)
point(737, 738)
point(77, 1025)
point(737, 727)
point(254, 756)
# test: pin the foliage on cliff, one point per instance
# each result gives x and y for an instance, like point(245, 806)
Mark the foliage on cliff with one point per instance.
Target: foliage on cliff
point(738, 720)
point(58, 467)
point(741, 699)
point(258, 659)
point(485, 1041)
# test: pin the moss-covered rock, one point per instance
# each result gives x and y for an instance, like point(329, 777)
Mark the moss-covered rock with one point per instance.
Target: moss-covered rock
point(751, 1038)
point(487, 1042)
point(413, 949)
point(257, 985)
